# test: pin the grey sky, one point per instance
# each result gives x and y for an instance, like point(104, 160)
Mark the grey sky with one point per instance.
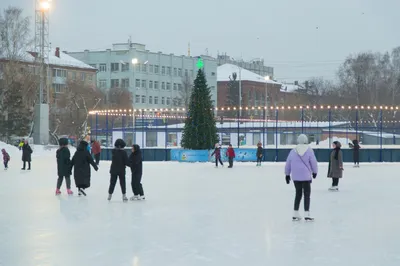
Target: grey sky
point(282, 32)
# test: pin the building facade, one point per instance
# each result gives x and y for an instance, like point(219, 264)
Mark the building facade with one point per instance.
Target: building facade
point(256, 66)
point(156, 80)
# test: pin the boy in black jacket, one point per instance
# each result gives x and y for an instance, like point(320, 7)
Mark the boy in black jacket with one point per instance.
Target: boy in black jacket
point(63, 166)
point(259, 153)
point(117, 170)
point(135, 161)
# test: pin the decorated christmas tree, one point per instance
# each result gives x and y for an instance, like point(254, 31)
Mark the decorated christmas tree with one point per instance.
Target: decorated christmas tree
point(200, 131)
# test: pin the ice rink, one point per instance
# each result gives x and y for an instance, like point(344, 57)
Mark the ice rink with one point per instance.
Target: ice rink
point(196, 215)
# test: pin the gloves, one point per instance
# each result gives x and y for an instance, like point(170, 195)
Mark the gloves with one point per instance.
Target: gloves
point(314, 175)
point(288, 179)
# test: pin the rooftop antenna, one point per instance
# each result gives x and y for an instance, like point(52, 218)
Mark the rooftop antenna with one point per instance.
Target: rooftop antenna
point(188, 48)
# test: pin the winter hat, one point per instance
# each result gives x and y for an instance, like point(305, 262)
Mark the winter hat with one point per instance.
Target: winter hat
point(63, 141)
point(3, 150)
point(120, 144)
point(302, 139)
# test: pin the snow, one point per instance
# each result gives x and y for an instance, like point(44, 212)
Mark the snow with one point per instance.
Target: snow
point(226, 70)
point(197, 215)
point(290, 88)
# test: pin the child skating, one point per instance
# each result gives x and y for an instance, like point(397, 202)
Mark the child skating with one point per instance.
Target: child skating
point(136, 164)
point(63, 166)
point(6, 158)
point(259, 153)
point(117, 170)
point(217, 153)
point(81, 162)
point(230, 153)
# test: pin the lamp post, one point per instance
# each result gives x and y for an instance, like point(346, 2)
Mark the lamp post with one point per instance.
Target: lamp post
point(267, 78)
point(135, 61)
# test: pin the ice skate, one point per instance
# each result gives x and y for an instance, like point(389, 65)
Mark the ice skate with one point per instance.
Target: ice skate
point(142, 197)
point(134, 198)
point(308, 217)
point(124, 198)
point(81, 192)
point(333, 188)
point(109, 197)
point(296, 216)
point(69, 191)
point(58, 192)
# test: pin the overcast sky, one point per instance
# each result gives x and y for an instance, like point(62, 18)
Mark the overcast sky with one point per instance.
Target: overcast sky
point(300, 39)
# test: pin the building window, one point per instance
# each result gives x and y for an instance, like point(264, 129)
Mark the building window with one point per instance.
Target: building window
point(156, 85)
point(143, 99)
point(60, 73)
point(163, 70)
point(74, 75)
point(103, 68)
point(162, 100)
point(168, 100)
point(163, 85)
point(144, 84)
point(175, 86)
point(58, 88)
point(137, 83)
point(180, 72)
point(156, 69)
point(150, 84)
point(155, 99)
point(90, 77)
point(137, 98)
point(124, 67)
point(151, 68)
point(114, 67)
point(114, 83)
point(168, 86)
point(175, 71)
point(83, 76)
point(169, 71)
point(179, 87)
point(125, 83)
point(103, 84)
point(186, 72)
point(144, 68)
point(213, 88)
point(150, 99)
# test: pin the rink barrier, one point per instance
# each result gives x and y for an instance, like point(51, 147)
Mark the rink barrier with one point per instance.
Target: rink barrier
point(248, 155)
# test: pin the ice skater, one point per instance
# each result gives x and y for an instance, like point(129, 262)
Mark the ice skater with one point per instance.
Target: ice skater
point(335, 168)
point(6, 158)
point(356, 153)
point(63, 166)
point(117, 170)
point(136, 164)
point(26, 155)
point(81, 162)
point(259, 153)
point(230, 153)
point(301, 166)
point(217, 153)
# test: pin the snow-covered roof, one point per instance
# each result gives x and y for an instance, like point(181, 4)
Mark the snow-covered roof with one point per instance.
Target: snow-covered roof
point(290, 88)
point(225, 71)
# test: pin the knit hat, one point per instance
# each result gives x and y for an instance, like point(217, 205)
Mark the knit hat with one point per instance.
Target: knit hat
point(302, 139)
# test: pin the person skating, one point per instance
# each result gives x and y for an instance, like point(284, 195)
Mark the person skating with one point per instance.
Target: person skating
point(81, 162)
point(6, 158)
point(136, 164)
point(96, 151)
point(217, 153)
point(335, 168)
point(356, 153)
point(230, 153)
point(117, 170)
point(63, 166)
point(259, 153)
point(26, 155)
point(301, 166)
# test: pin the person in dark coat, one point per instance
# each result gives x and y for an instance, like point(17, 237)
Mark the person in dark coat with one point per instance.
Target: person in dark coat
point(335, 168)
point(136, 164)
point(259, 153)
point(26, 155)
point(81, 162)
point(217, 153)
point(356, 153)
point(119, 161)
point(230, 153)
point(63, 166)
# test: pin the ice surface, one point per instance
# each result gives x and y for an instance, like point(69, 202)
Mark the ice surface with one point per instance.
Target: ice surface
point(196, 215)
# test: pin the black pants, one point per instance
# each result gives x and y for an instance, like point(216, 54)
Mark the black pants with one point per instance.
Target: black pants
point(302, 187)
point(29, 165)
point(259, 159)
point(6, 164)
point(97, 158)
point(67, 181)
point(230, 160)
point(335, 182)
point(136, 184)
point(218, 160)
point(113, 182)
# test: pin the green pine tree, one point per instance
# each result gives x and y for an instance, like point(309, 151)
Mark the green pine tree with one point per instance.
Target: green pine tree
point(200, 131)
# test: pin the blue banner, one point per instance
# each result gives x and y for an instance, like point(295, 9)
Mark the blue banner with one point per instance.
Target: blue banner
point(242, 155)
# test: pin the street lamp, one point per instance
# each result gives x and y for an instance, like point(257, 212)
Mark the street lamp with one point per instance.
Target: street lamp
point(267, 78)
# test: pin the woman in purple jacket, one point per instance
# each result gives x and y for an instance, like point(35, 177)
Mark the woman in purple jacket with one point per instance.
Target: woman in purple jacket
point(301, 164)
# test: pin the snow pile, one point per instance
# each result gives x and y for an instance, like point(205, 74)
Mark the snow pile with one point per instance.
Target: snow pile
point(225, 71)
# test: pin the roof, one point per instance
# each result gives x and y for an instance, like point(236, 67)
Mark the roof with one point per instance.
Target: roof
point(290, 88)
point(226, 70)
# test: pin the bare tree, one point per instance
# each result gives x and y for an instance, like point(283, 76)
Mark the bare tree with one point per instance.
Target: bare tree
point(186, 92)
point(119, 98)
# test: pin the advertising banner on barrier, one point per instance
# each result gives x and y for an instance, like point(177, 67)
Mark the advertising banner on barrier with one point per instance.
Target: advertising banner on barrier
point(242, 155)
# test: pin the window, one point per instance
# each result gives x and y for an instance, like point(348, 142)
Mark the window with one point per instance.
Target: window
point(124, 67)
point(58, 88)
point(137, 98)
point(156, 69)
point(151, 68)
point(179, 87)
point(163, 100)
point(150, 99)
point(137, 83)
point(61, 73)
point(144, 84)
point(168, 100)
point(125, 83)
point(169, 71)
point(175, 71)
point(180, 72)
point(90, 77)
point(163, 85)
point(163, 70)
point(137, 67)
point(168, 86)
point(212, 88)
point(156, 85)
point(143, 99)
point(74, 75)
point(114, 67)
point(103, 68)
point(114, 83)
point(83, 76)
point(150, 84)
point(186, 72)
point(155, 99)
point(102, 84)
point(144, 68)
point(175, 86)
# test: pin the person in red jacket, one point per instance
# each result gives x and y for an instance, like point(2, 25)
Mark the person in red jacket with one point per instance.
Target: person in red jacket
point(230, 153)
point(96, 150)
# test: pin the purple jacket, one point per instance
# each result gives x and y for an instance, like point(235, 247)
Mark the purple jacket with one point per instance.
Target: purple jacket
point(301, 163)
